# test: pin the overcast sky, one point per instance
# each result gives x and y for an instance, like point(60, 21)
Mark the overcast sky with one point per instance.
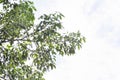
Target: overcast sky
point(99, 22)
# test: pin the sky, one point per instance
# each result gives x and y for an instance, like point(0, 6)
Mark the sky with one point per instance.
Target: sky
point(98, 21)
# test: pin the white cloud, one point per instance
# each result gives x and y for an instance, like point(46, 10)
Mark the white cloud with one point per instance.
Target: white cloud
point(98, 20)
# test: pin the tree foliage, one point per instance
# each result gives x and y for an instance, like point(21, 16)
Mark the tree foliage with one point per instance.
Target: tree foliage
point(28, 50)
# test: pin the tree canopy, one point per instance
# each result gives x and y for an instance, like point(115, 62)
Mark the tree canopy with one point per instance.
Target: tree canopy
point(28, 50)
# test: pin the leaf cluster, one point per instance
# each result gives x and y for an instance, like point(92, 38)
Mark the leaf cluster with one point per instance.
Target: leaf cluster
point(28, 50)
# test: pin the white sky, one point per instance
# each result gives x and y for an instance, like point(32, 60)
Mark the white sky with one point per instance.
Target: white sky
point(98, 21)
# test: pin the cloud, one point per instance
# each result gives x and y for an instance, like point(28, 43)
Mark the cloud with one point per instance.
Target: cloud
point(92, 6)
point(98, 21)
point(109, 28)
